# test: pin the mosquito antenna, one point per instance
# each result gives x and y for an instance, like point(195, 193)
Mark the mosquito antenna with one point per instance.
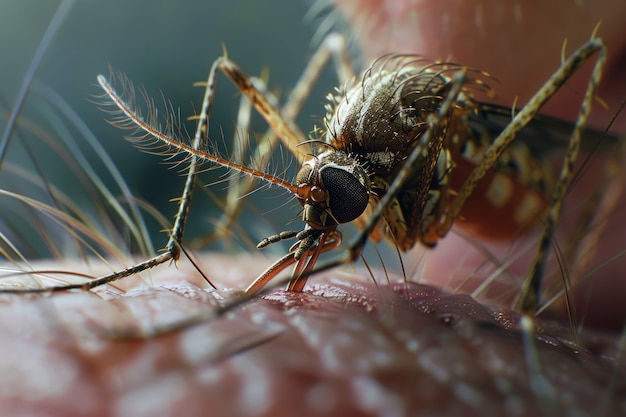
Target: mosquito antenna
point(126, 117)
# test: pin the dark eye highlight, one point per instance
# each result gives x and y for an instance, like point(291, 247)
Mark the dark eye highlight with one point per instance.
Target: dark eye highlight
point(348, 197)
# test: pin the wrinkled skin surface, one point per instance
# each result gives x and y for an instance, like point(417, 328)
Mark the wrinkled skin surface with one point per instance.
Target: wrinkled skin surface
point(341, 348)
point(344, 347)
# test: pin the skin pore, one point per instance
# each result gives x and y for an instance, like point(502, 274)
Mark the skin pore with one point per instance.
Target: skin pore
point(345, 346)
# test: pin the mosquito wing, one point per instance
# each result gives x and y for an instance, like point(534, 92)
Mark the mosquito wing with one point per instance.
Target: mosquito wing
point(543, 136)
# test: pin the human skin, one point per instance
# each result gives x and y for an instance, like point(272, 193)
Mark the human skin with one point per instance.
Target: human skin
point(343, 346)
point(518, 43)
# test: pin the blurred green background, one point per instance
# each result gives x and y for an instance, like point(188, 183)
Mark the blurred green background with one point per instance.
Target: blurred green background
point(164, 46)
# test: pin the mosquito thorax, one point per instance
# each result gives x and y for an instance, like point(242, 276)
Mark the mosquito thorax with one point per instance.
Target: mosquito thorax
point(334, 188)
point(382, 117)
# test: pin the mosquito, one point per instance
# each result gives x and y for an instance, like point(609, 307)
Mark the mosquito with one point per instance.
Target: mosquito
point(403, 148)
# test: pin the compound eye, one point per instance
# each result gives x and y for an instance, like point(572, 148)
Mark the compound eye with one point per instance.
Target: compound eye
point(347, 196)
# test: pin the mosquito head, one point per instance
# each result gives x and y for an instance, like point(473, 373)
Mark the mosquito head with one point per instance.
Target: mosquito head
point(334, 188)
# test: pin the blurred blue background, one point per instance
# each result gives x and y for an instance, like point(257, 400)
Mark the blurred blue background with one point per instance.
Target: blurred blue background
point(164, 46)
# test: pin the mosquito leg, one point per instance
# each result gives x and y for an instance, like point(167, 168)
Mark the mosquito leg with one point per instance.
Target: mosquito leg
point(591, 224)
point(199, 139)
point(521, 119)
point(239, 187)
point(532, 285)
point(603, 201)
point(173, 249)
point(332, 47)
